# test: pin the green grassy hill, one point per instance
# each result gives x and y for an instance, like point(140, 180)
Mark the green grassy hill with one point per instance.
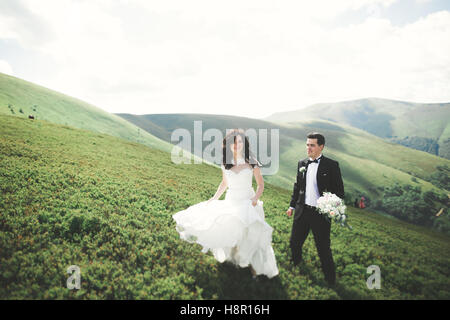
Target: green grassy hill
point(367, 162)
point(75, 197)
point(22, 98)
point(417, 125)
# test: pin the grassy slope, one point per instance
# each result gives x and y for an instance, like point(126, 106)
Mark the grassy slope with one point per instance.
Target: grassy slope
point(382, 117)
point(59, 108)
point(429, 121)
point(367, 162)
point(74, 197)
point(426, 120)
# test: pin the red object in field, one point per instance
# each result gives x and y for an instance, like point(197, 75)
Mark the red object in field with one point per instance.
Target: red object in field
point(361, 203)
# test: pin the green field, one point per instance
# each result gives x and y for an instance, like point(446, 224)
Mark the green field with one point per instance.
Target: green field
point(22, 98)
point(76, 197)
point(368, 163)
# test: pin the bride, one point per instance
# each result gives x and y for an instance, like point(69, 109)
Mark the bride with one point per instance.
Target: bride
point(233, 229)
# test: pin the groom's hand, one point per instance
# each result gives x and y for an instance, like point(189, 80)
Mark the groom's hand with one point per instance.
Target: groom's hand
point(289, 212)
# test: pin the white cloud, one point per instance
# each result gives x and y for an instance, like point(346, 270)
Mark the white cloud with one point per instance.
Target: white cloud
point(5, 67)
point(410, 63)
point(245, 58)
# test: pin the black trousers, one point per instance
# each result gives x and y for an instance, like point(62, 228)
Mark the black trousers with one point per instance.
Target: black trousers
point(320, 226)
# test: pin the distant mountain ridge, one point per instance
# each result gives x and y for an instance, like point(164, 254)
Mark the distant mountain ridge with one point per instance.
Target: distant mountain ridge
point(422, 126)
point(369, 163)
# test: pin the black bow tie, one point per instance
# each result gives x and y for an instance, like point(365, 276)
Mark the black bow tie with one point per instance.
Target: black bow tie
point(314, 161)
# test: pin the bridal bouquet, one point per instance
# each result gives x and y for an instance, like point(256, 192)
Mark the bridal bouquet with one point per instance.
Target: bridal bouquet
point(331, 206)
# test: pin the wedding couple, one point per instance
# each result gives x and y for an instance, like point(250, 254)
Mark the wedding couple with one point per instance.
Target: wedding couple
point(234, 229)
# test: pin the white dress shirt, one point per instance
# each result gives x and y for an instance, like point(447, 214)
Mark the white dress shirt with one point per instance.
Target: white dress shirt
point(312, 191)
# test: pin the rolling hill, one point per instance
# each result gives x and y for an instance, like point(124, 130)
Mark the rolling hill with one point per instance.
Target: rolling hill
point(76, 197)
point(417, 125)
point(367, 162)
point(22, 98)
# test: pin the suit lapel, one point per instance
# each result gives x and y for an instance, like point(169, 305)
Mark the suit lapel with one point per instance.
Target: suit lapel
point(320, 170)
point(304, 164)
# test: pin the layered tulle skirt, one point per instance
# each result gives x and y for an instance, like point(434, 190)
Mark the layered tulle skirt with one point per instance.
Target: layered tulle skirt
point(233, 230)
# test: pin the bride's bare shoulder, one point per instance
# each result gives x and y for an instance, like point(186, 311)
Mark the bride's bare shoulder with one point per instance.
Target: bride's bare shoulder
point(256, 170)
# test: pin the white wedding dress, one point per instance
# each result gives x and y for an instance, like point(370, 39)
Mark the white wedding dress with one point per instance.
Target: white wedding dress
point(232, 229)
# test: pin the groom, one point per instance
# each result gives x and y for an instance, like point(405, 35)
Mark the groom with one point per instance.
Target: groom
point(315, 175)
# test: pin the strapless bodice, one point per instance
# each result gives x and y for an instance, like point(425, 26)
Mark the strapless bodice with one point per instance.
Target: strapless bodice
point(239, 184)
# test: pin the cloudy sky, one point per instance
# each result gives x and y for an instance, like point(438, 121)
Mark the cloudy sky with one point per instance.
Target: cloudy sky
point(237, 57)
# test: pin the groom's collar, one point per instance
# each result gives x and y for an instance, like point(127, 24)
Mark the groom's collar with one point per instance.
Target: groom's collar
point(305, 161)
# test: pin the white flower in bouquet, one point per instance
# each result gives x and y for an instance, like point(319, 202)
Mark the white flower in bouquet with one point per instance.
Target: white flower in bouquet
point(332, 207)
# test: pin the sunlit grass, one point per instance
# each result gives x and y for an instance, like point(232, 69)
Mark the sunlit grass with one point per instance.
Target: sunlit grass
point(74, 197)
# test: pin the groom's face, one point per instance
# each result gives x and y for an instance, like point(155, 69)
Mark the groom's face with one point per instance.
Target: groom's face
point(313, 149)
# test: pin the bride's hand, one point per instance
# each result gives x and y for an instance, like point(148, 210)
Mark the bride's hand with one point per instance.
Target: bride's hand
point(254, 201)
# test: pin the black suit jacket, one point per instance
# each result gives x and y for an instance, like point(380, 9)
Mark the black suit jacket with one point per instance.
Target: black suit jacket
point(329, 179)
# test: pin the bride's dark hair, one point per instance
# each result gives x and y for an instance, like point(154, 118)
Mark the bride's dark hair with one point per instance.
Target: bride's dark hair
point(227, 154)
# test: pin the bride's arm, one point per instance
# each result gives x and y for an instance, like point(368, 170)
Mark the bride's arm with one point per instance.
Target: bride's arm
point(260, 181)
point(222, 187)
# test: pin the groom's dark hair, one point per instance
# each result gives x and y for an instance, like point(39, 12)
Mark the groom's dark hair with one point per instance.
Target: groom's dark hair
point(315, 135)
